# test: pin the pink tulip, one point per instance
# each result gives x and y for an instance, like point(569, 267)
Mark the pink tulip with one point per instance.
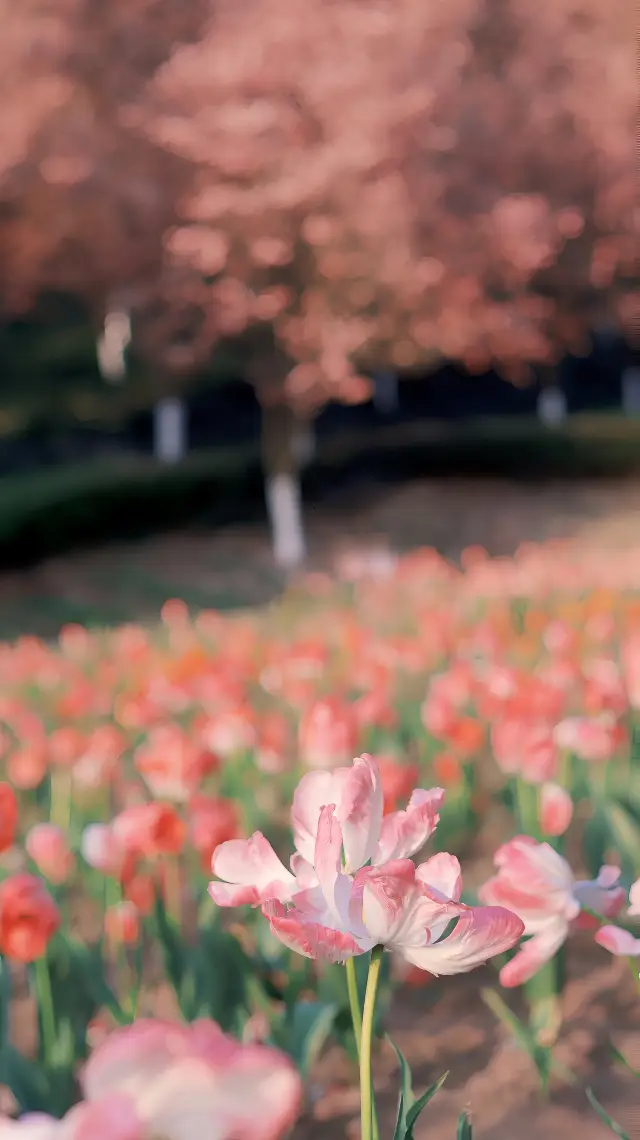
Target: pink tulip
point(556, 809)
point(253, 869)
point(336, 906)
point(186, 1081)
point(618, 941)
point(593, 739)
point(102, 849)
point(404, 908)
point(47, 845)
point(537, 884)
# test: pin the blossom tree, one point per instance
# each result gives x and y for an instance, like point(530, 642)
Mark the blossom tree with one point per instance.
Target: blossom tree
point(374, 184)
point(398, 183)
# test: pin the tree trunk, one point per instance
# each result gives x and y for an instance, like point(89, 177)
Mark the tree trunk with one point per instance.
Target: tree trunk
point(281, 464)
point(385, 393)
point(170, 430)
point(631, 391)
point(112, 344)
point(551, 407)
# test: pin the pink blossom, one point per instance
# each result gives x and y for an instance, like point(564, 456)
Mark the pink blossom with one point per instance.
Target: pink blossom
point(537, 884)
point(404, 908)
point(591, 738)
point(49, 848)
point(525, 748)
point(184, 1081)
point(618, 941)
point(556, 809)
point(251, 871)
point(356, 793)
point(355, 886)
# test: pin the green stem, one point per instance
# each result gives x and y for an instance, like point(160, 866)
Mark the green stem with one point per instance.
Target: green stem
point(45, 1006)
point(366, 1086)
point(356, 1019)
point(527, 808)
point(354, 1002)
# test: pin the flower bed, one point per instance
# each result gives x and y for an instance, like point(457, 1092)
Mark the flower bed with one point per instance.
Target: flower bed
point(492, 711)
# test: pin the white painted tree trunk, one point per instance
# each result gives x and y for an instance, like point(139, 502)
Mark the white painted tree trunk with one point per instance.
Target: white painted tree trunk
point(170, 430)
point(385, 393)
point(112, 345)
point(631, 391)
point(552, 407)
point(305, 443)
point(282, 435)
point(284, 504)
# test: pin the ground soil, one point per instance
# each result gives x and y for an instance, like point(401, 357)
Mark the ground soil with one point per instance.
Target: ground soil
point(488, 1074)
point(233, 567)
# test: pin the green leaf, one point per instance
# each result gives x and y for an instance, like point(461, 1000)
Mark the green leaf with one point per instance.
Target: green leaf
point(172, 946)
point(464, 1130)
point(5, 1001)
point(410, 1108)
point(27, 1081)
point(625, 833)
point(540, 1055)
point(596, 839)
point(617, 1056)
point(605, 1118)
point(308, 1027)
point(220, 969)
point(406, 1093)
point(422, 1101)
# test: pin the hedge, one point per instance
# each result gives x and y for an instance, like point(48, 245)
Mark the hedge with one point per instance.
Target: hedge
point(54, 510)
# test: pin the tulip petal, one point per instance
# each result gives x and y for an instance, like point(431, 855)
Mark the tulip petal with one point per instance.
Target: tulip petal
point(309, 938)
point(405, 832)
point(335, 886)
point(534, 953)
point(359, 810)
point(314, 792)
point(618, 941)
point(441, 873)
point(480, 933)
point(556, 809)
point(253, 865)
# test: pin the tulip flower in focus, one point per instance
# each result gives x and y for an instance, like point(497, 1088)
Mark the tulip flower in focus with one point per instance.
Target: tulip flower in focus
point(353, 886)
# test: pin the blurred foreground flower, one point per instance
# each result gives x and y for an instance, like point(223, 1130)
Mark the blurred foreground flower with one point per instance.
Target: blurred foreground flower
point(157, 1080)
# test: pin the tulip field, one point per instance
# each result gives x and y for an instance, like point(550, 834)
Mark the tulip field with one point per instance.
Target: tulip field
point(364, 862)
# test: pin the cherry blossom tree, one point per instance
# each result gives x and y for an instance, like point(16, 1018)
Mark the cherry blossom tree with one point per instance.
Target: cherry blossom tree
point(396, 183)
point(364, 184)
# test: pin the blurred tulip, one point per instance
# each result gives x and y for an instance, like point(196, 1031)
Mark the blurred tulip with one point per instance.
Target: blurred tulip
point(556, 809)
point(212, 821)
point(328, 734)
point(192, 1081)
point(28, 917)
point(49, 848)
point(122, 923)
point(537, 884)
point(150, 830)
point(8, 816)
